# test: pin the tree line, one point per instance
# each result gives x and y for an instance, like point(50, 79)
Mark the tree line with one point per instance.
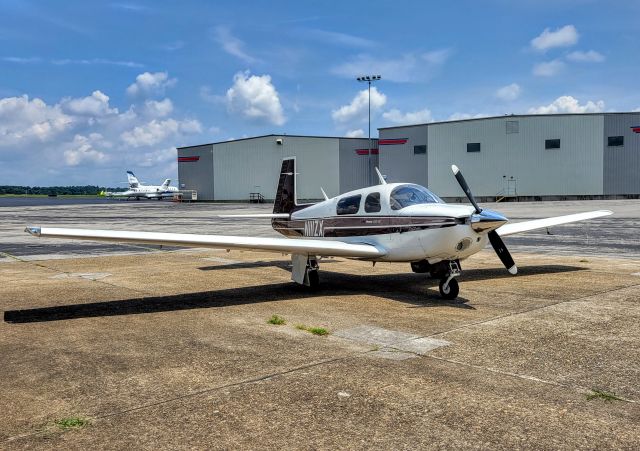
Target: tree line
point(86, 190)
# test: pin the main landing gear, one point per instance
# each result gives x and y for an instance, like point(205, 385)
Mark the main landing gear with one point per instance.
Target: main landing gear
point(304, 270)
point(446, 271)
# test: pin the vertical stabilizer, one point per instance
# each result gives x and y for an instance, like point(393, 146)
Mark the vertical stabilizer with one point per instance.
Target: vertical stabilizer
point(286, 198)
point(166, 184)
point(133, 181)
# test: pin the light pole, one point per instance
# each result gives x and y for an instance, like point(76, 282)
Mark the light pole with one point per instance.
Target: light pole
point(368, 79)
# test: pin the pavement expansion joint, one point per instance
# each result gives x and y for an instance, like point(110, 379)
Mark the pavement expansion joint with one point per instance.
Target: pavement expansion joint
point(577, 388)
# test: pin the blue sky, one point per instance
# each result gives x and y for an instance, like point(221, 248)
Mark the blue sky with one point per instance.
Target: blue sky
point(91, 89)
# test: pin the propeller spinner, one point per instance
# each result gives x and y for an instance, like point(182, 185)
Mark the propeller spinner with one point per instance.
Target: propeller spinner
point(489, 220)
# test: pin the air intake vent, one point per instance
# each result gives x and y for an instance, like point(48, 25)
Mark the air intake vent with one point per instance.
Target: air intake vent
point(513, 127)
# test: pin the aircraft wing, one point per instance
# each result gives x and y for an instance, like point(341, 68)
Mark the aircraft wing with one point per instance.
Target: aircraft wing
point(525, 226)
point(286, 245)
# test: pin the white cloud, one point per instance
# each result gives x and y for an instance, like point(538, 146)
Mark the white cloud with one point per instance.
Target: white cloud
point(358, 108)
point(637, 110)
point(332, 37)
point(161, 108)
point(461, 116)
point(509, 92)
point(255, 98)
point(406, 68)
point(548, 68)
point(155, 131)
point(590, 56)
point(561, 37)
point(437, 56)
point(357, 133)
point(408, 118)
point(82, 149)
point(149, 83)
point(568, 104)
point(23, 120)
point(231, 44)
point(40, 142)
point(97, 104)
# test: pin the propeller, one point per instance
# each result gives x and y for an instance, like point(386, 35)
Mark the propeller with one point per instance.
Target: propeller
point(487, 217)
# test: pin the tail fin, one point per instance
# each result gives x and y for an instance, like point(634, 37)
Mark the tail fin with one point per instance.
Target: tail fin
point(133, 181)
point(286, 199)
point(166, 184)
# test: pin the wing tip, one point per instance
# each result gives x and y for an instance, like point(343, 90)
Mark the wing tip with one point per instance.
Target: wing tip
point(455, 169)
point(35, 231)
point(513, 270)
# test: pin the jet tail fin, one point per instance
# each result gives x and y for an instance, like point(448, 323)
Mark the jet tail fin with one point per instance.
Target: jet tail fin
point(133, 180)
point(166, 183)
point(286, 198)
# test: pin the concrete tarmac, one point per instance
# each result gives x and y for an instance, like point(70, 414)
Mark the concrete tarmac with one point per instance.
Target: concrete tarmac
point(170, 348)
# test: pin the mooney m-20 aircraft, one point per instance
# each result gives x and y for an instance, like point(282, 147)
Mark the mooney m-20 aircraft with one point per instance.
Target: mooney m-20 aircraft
point(389, 222)
point(139, 191)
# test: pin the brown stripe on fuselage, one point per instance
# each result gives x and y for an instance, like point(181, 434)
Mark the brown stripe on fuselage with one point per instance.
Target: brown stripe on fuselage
point(344, 226)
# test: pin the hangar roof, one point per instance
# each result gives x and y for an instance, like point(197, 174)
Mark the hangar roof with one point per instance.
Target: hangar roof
point(506, 116)
point(272, 135)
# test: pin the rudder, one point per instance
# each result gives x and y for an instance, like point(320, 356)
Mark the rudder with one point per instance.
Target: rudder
point(286, 199)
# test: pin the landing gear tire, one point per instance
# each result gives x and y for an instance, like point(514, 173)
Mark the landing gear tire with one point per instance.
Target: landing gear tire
point(314, 279)
point(451, 291)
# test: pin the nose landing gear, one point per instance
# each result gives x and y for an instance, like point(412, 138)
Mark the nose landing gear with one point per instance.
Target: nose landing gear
point(448, 286)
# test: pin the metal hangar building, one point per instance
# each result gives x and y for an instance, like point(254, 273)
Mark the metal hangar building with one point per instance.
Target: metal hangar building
point(528, 156)
point(247, 168)
point(557, 156)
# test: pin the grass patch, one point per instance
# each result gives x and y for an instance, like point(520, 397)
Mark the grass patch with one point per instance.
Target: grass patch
point(313, 330)
point(600, 394)
point(71, 423)
point(277, 320)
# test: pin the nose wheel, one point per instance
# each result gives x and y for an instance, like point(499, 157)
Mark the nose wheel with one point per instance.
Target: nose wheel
point(448, 286)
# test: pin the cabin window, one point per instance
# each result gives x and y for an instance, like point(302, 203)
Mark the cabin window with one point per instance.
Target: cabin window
point(349, 205)
point(473, 147)
point(551, 143)
point(372, 203)
point(406, 195)
point(615, 141)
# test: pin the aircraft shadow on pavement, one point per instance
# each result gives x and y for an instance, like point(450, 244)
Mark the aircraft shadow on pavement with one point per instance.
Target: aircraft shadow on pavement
point(414, 289)
point(282, 264)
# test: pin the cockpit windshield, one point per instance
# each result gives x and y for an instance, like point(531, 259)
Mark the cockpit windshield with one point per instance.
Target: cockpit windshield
point(406, 195)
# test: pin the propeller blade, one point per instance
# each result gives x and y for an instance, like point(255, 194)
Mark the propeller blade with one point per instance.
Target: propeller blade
point(465, 187)
point(503, 252)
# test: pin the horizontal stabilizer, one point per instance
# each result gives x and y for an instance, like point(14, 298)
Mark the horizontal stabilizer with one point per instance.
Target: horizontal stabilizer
point(286, 245)
point(525, 226)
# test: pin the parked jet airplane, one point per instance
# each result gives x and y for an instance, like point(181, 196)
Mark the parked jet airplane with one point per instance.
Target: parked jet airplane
point(139, 191)
point(392, 222)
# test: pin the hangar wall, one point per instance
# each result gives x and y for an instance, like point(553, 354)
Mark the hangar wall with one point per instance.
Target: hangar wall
point(513, 156)
point(231, 170)
point(195, 170)
point(622, 162)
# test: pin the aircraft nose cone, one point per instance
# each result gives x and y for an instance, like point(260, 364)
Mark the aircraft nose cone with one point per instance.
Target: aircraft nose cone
point(487, 220)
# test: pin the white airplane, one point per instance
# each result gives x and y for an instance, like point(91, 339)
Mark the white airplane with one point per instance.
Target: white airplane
point(389, 222)
point(139, 191)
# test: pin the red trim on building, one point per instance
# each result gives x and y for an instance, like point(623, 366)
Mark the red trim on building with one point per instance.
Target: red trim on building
point(392, 141)
point(187, 159)
point(636, 129)
point(365, 152)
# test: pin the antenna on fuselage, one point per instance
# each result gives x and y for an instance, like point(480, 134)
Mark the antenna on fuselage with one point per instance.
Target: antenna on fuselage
point(324, 194)
point(381, 177)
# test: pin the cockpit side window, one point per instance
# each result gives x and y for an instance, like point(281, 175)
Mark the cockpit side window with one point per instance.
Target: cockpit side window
point(349, 205)
point(406, 195)
point(372, 203)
